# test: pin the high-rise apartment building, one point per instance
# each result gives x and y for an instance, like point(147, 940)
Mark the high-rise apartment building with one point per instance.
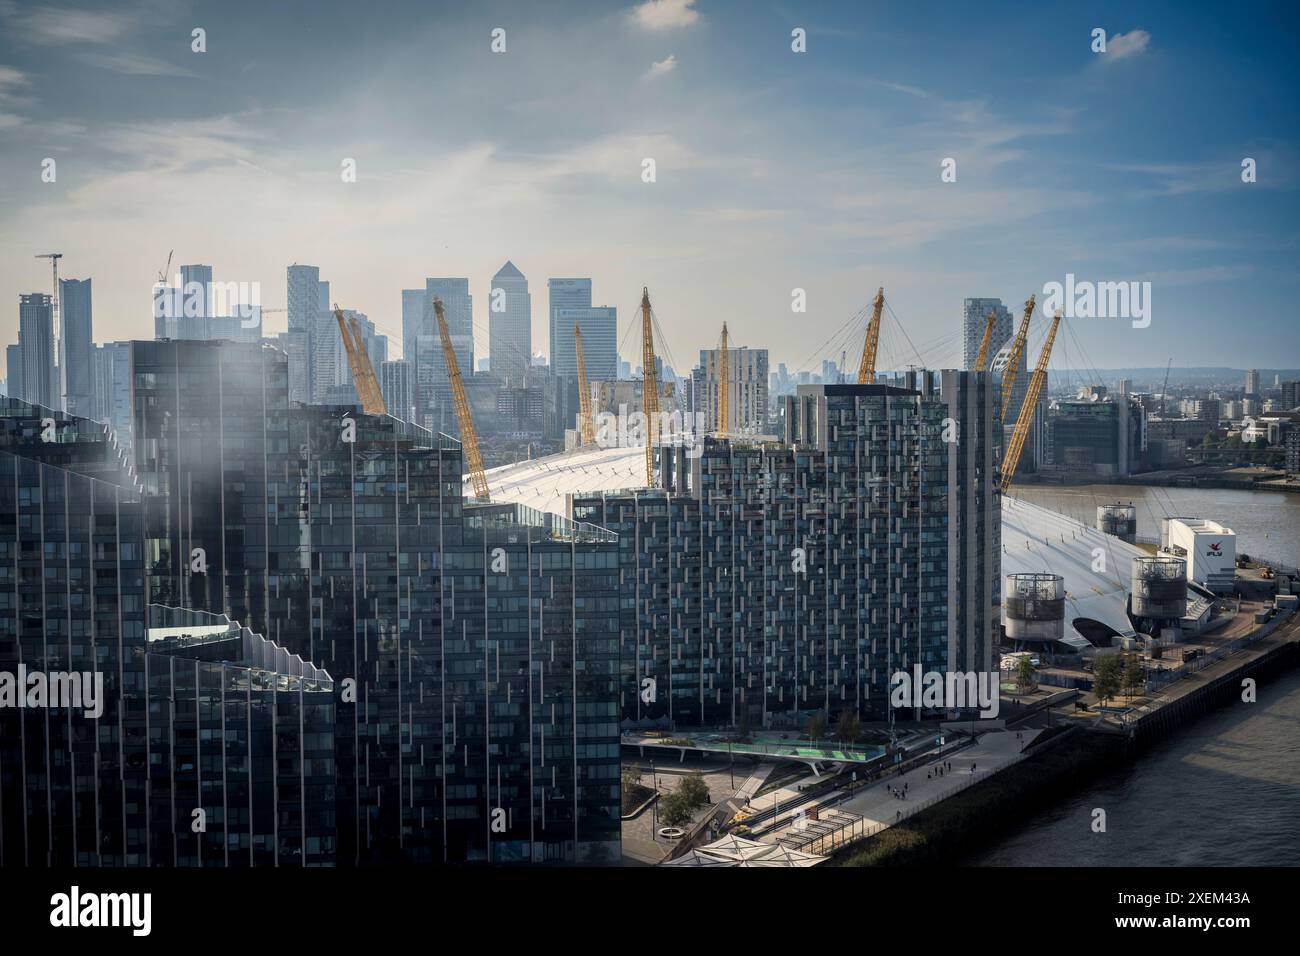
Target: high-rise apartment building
point(36, 343)
point(1252, 383)
point(510, 326)
point(747, 390)
point(482, 724)
point(767, 581)
point(303, 312)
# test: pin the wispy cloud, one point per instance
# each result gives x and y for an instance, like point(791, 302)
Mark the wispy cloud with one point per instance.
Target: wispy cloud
point(63, 25)
point(660, 67)
point(1123, 45)
point(665, 14)
point(135, 64)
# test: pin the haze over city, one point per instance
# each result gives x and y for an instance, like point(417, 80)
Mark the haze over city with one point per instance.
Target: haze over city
point(774, 170)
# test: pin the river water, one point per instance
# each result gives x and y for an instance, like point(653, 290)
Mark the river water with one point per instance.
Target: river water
point(1222, 791)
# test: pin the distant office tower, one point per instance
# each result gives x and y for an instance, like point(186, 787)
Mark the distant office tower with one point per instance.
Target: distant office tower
point(303, 311)
point(1290, 395)
point(565, 294)
point(395, 383)
point(510, 326)
point(747, 390)
point(76, 345)
point(422, 345)
point(14, 371)
point(1125, 387)
point(1252, 382)
point(599, 325)
point(36, 340)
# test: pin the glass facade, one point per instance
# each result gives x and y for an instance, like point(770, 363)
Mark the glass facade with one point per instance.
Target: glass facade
point(766, 581)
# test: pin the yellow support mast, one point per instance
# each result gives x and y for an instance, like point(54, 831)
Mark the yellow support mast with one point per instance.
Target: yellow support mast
point(1026, 417)
point(1012, 371)
point(363, 373)
point(586, 427)
point(724, 384)
point(468, 437)
point(984, 343)
point(867, 370)
point(649, 384)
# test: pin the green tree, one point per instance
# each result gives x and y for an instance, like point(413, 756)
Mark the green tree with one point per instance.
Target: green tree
point(695, 790)
point(1134, 675)
point(816, 728)
point(1025, 673)
point(631, 776)
point(1106, 677)
point(675, 809)
point(848, 728)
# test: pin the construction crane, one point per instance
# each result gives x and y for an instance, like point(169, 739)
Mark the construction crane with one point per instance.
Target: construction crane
point(586, 427)
point(649, 384)
point(468, 437)
point(1026, 417)
point(162, 275)
point(1011, 371)
point(867, 370)
point(984, 343)
point(724, 384)
point(363, 373)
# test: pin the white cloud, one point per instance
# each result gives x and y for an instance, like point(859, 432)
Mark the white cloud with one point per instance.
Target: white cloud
point(660, 67)
point(134, 64)
point(1122, 45)
point(665, 14)
point(52, 25)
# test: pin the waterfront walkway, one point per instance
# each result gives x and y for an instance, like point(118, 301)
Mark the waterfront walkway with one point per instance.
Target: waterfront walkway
point(875, 808)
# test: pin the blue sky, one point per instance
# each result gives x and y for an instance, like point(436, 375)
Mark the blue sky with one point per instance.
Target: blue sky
point(775, 170)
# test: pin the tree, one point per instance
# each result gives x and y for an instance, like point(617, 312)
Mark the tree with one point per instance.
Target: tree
point(631, 776)
point(1134, 675)
point(848, 727)
point(816, 728)
point(1025, 673)
point(694, 790)
point(674, 809)
point(1106, 677)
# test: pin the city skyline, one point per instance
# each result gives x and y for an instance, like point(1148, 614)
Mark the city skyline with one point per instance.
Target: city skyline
point(824, 176)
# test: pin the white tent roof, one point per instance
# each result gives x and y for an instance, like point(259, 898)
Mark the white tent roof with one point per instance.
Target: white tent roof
point(737, 851)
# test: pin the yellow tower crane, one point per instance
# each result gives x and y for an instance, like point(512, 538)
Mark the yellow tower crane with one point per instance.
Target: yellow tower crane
point(468, 437)
point(649, 384)
point(724, 384)
point(867, 370)
point(586, 427)
point(363, 373)
point(1011, 372)
point(1026, 416)
point(984, 343)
